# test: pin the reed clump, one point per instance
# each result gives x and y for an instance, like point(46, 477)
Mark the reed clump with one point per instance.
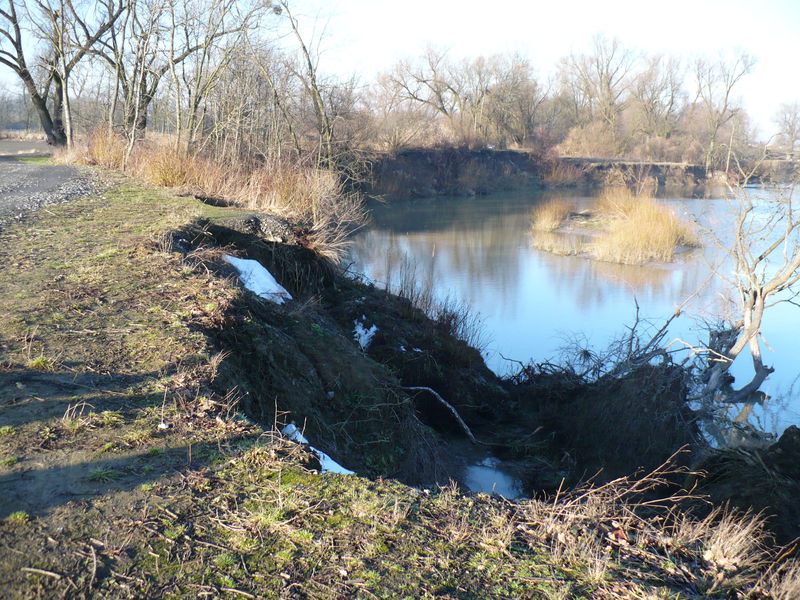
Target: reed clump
point(551, 215)
point(638, 229)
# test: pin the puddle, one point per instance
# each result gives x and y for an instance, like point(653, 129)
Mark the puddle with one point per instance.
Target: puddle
point(486, 477)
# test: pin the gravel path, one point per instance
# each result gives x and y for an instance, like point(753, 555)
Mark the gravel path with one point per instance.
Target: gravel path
point(27, 187)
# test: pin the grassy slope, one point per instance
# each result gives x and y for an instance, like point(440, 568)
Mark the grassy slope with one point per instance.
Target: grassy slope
point(103, 340)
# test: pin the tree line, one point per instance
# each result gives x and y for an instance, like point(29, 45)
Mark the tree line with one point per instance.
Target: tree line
point(240, 78)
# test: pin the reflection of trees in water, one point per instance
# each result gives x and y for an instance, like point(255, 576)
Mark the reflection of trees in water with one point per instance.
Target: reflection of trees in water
point(479, 258)
point(484, 260)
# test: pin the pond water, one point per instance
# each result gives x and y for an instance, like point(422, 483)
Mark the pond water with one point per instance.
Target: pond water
point(535, 305)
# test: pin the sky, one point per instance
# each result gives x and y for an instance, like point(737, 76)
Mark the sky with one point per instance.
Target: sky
point(368, 36)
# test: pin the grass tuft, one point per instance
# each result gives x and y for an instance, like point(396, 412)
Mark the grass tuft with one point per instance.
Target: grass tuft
point(551, 215)
point(639, 229)
point(19, 516)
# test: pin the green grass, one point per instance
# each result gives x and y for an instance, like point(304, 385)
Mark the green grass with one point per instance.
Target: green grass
point(19, 516)
point(35, 160)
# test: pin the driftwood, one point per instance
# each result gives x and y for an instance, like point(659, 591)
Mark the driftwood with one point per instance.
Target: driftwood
point(446, 404)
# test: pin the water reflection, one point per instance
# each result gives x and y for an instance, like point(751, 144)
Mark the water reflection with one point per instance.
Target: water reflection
point(479, 250)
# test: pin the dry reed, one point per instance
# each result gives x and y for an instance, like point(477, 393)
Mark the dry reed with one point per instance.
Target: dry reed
point(313, 198)
point(639, 229)
point(551, 215)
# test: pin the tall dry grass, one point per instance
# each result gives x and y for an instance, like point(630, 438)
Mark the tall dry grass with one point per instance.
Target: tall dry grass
point(313, 198)
point(638, 229)
point(551, 215)
point(559, 173)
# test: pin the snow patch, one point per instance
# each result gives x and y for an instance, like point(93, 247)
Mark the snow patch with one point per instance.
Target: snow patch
point(327, 464)
point(363, 335)
point(256, 278)
point(293, 433)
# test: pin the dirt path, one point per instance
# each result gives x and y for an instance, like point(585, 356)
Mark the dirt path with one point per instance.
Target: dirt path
point(26, 186)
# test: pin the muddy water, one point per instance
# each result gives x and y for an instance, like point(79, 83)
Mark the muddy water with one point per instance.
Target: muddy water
point(538, 305)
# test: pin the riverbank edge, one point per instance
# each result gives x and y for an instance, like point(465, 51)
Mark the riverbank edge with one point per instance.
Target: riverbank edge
point(128, 439)
point(424, 173)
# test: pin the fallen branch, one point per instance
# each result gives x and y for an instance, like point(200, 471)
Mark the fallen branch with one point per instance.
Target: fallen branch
point(41, 572)
point(447, 405)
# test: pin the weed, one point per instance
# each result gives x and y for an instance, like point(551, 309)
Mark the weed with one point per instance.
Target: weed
point(41, 363)
point(225, 560)
point(19, 516)
point(105, 475)
point(9, 461)
point(175, 532)
point(8, 430)
point(109, 418)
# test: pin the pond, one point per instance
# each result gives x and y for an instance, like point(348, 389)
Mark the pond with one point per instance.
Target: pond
point(536, 305)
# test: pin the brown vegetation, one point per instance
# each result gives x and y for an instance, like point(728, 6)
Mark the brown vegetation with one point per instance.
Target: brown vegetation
point(313, 197)
point(626, 228)
point(551, 215)
point(638, 229)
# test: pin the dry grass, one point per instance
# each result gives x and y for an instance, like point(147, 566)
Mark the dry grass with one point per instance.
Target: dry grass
point(639, 229)
point(623, 528)
point(560, 174)
point(312, 197)
point(551, 215)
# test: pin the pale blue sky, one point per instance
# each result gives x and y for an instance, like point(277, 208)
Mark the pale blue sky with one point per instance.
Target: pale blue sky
point(367, 36)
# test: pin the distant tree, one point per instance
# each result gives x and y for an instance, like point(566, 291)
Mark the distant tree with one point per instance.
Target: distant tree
point(788, 121)
point(715, 82)
point(656, 96)
point(599, 83)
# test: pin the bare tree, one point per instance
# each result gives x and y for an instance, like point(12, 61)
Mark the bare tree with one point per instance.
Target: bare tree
point(763, 259)
point(599, 80)
point(157, 36)
point(656, 96)
point(715, 81)
point(71, 31)
point(788, 121)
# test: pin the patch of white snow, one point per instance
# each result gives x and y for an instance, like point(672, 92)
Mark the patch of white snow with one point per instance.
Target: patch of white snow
point(256, 278)
point(327, 464)
point(293, 433)
point(363, 335)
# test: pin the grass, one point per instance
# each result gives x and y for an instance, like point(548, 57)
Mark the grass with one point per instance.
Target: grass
point(626, 228)
point(551, 215)
point(639, 229)
point(313, 198)
point(35, 160)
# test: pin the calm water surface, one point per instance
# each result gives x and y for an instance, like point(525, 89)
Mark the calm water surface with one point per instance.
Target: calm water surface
point(535, 304)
